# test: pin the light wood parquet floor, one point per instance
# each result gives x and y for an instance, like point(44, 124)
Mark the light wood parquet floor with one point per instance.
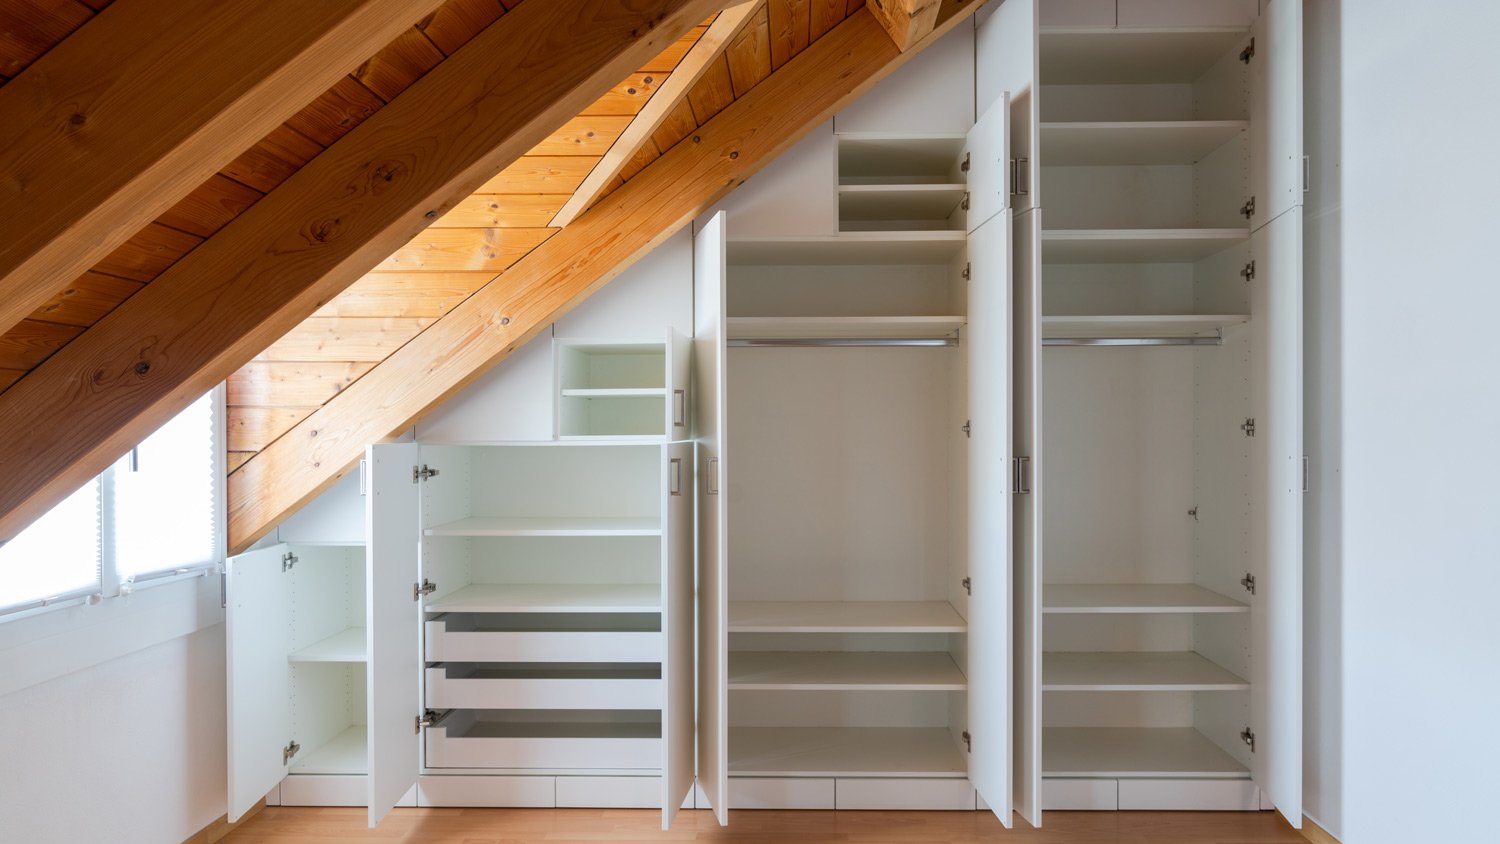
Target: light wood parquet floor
point(285, 825)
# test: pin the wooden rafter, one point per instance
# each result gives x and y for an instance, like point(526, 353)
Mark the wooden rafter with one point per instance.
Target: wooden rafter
point(142, 104)
point(907, 21)
point(501, 316)
point(339, 216)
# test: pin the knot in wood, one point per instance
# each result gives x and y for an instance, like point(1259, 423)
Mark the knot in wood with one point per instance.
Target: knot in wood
point(77, 119)
point(142, 367)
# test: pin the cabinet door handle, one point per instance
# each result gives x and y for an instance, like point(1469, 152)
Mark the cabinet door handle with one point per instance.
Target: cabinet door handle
point(675, 486)
point(713, 476)
point(679, 408)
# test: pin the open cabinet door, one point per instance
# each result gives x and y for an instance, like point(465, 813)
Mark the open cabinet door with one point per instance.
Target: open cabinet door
point(1005, 70)
point(393, 620)
point(990, 469)
point(1276, 546)
point(987, 157)
point(1026, 321)
point(677, 731)
point(710, 269)
point(1276, 175)
point(257, 645)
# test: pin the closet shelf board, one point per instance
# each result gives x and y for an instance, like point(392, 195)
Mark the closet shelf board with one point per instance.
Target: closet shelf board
point(550, 526)
point(1139, 325)
point(613, 392)
point(844, 671)
point(844, 617)
point(845, 328)
point(1135, 143)
point(850, 248)
point(345, 753)
point(899, 202)
point(1084, 56)
point(1135, 671)
point(844, 751)
point(1119, 598)
point(1176, 752)
point(344, 646)
point(551, 598)
point(1136, 246)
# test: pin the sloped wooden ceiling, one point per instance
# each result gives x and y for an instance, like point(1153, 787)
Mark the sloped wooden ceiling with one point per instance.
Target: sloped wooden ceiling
point(304, 424)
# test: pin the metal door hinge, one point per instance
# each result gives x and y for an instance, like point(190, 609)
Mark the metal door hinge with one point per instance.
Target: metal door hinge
point(1248, 272)
point(1194, 512)
point(288, 560)
point(1247, 736)
point(422, 473)
point(1248, 581)
point(426, 587)
point(968, 429)
point(968, 271)
point(1248, 53)
point(289, 751)
point(1017, 169)
point(1249, 427)
point(426, 719)
point(965, 204)
point(964, 167)
point(968, 585)
point(1248, 209)
point(968, 742)
point(1020, 475)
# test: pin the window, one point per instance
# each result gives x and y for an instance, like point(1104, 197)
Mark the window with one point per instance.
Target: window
point(156, 513)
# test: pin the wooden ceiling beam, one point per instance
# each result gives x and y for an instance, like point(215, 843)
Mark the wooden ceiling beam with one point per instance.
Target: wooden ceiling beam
point(342, 214)
point(563, 271)
point(144, 103)
point(907, 21)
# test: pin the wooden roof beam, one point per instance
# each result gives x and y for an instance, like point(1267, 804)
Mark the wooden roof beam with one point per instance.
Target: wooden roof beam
point(143, 104)
point(347, 210)
point(548, 282)
point(906, 21)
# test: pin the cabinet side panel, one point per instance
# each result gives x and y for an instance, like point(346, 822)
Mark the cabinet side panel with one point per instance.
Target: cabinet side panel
point(677, 630)
point(256, 635)
point(1027, 561)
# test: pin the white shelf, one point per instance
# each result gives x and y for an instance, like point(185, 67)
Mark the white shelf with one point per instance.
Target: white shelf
point(345, 753)
point(844, 671)
point(345, 646)
point(844, 751)
point(1136, 246)
point(844, 617)
point(877, 202)
point(1135, 671)
point(885, 158)
point(550, 598)
point(850, 248)
point(1125, 143)
point(614, 393)
point(549, 526)
point(1120, 598)
point(1175, 752)
point(845, 328)
point(1139, 325)
point(1109, 56)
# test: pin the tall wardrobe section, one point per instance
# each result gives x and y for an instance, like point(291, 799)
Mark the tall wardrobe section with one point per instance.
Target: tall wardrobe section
point(1170, 152)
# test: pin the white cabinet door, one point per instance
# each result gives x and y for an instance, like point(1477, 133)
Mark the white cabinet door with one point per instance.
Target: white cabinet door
point(257, 644)
point(1276, 111)
point(679, 385)
point(987, 152)
point(709, 274)
point(678, 724)
point(1005, 67)
point(1276, 534)
point(393, 620)
point(1027, 511)
point(989, 345)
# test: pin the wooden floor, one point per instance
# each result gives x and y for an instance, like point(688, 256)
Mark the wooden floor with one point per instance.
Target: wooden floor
point(515, 826)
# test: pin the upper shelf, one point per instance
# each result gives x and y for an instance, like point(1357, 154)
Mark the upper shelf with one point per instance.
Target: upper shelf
point(845, 328)
point(1144, 325)
point(844, 617)
point(550, 598)
point(844, 671)
point(884, 159)
point(1135, 671)
point(1159, 142)
point(1110, 56)
point(344, 646)
point(850, 248)
point(845, 751)
point(1121, 598)
point(550, 526)
point(931, 204)
point(1136, 246)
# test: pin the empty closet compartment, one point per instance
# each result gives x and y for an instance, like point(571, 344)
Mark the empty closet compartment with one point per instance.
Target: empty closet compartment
point(893, 183)
point(623, 389)
point(544, 637)
point(544, 686)
point(546, 740)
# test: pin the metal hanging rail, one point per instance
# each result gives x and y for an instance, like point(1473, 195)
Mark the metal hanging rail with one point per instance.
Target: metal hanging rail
point(1132, 341)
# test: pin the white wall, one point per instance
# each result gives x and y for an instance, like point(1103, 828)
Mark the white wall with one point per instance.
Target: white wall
point(1416, 512)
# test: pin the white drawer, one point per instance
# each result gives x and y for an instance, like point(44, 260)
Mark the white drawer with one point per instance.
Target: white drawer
point(917, 793)
point(609, 792)
point(487, 792)
point(1080, 795)
point(1190, 795)
point(554, 687)
point(467, 740)
point(781, 793)
point(459, 639)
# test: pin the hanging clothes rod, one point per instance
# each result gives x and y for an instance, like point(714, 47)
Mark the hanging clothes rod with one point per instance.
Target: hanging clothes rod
point(1133, 341)
point(834, 342)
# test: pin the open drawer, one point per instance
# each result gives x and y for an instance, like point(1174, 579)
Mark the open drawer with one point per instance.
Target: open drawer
point(546, 740)
point(545, 637)
point(544, 686)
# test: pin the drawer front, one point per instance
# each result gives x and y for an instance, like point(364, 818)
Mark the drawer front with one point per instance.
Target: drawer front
point(455, 752)
point(487, 792)
point(1080, 795)
point(444, 692)
point(332, 790)
point(609, 792)
point(444, 645)
point(1190, 795)
point(924, 793)
point(781, 793)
